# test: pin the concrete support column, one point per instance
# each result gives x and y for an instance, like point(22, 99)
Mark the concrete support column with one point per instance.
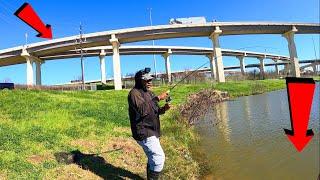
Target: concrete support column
point(116, 63)
point(166, 57)
point(276, 68)
point(212, 66)
point(29, 60)
point(286, 69)
point(293, 52)
point(242, 65)
point(262, 68)
point(218, 54)
point(38, 73)
point(103, 66)
point(314, 68)
point(29, 71)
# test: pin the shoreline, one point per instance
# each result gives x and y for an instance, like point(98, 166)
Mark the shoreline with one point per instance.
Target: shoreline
point(200, 167)
point(35, 125)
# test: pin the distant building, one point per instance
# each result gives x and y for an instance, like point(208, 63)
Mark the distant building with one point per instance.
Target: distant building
point(189, 20)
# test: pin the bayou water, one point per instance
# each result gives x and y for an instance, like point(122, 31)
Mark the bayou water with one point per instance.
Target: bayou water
point(244, 139)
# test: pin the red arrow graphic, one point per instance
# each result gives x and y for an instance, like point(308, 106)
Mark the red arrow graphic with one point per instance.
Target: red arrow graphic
point(300, 94)
point(29, 16)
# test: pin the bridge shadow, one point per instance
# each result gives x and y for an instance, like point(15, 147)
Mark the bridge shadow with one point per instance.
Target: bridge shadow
point(95, 164)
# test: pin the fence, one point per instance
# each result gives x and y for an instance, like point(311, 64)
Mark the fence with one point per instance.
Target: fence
point(185, 77)
point(76, 87)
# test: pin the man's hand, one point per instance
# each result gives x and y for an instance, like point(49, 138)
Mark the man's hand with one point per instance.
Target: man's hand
point(166, 107)
point(163, 96)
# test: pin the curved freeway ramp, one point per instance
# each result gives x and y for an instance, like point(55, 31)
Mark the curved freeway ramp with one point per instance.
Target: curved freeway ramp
point(212, 30)
point(139, 50)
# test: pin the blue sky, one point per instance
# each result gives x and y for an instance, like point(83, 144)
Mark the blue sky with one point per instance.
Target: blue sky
point(97, 15)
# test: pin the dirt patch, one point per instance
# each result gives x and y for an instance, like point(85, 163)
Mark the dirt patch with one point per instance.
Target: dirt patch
point(198, 104)
point(122, 130)
point(39, 159)
point(130, 156)
point(115, 157)
point(71, 172)
point(3, 175)
point(87, 145)
point(127, 145)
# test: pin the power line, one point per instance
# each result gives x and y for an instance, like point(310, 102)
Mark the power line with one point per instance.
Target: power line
point(5, 19)
point(7, 9)
point(7, 15)
point(314, 48)
point(8, 4)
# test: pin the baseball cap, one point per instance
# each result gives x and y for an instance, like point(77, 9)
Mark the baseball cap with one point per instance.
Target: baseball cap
point(144, 74)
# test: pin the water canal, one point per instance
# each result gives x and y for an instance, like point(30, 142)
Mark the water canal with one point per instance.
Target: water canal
point(244, 139)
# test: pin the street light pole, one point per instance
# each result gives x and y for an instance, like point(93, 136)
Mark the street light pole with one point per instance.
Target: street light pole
point(81, 56)
point(154, 56)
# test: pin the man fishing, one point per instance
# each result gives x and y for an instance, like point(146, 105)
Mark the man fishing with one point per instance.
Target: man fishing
point(144, 114)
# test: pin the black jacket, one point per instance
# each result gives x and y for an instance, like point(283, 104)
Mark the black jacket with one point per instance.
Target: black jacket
point(144, 113)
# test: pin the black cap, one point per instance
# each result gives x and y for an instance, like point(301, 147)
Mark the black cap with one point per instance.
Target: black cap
point(144, 74)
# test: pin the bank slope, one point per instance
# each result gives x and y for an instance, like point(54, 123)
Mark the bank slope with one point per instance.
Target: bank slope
point(35, 126)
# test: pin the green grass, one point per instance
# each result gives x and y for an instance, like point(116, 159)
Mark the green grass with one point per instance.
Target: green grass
point(316, 78)
point(41, 123)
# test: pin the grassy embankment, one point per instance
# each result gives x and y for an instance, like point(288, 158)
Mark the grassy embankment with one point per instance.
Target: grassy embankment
point(34, 125)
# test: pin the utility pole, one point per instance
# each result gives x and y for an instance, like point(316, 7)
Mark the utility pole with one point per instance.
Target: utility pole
point(26, 37)
point(154, 56)
point(80, 42)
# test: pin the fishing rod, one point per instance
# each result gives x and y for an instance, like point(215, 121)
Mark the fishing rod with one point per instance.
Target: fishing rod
point(168, 100)
point(170, 89)
point(187, 76)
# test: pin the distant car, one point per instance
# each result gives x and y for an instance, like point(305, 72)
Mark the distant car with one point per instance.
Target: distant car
point(6, 86)
point(189, 20)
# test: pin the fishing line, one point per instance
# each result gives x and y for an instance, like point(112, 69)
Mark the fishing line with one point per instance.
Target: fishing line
point(194, 71)
point(188, 75)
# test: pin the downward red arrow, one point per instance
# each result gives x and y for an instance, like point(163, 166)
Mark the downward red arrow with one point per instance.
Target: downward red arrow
point(300, 94)
point(29, 16)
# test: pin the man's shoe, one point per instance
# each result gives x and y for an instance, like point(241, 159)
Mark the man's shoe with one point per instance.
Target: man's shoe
point(153, 175)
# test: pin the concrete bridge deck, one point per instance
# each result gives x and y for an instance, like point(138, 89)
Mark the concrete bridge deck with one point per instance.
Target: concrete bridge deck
point(309, 63)
point(175, 50)
point(144, 50)
point(33, 52)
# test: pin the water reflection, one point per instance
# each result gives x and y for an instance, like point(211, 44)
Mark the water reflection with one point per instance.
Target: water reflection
point(246, 106)
point(245, 139)
point(221, 114)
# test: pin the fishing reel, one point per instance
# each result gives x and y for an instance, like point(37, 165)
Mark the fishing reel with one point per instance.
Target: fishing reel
point(169, 99)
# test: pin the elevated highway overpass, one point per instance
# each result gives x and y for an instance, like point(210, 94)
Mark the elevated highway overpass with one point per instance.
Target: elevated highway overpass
point(310, 63)
point(165, 51)
point(114, 38)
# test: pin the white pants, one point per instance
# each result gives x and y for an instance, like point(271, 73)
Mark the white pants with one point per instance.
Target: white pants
point(154, 152)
